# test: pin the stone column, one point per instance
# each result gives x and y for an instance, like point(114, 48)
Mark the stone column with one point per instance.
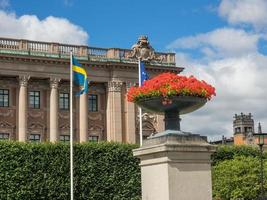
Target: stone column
point(130, 118)
point(83, 117)
point(114, 111)
point(23, 109)
point(54, 135)
point(175, 166)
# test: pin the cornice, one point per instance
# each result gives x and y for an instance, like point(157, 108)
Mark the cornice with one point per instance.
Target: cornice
point(100, 65)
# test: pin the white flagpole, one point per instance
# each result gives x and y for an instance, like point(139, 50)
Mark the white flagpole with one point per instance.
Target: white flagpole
point(140, 109)
point(71, 129)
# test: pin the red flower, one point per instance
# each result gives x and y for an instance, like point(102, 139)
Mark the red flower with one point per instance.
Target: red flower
point(170, 84)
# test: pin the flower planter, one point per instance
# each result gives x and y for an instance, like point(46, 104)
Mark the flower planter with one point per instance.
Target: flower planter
point(171, 94)
point(172, 107)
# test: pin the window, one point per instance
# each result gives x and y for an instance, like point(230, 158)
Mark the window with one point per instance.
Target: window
point(4, 98)
point(35, 137)
point(237, 130)
point(34, 99)
point(64, 138)
point(92, 101)
point(248, 129)
point(4, 136)
point(93, 138)
point(64, 101)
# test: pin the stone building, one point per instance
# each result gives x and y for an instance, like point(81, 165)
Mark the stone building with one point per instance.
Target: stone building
point(34, 91)
point(243, 127)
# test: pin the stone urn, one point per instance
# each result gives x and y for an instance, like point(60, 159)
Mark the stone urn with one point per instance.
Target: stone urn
point(172, 108)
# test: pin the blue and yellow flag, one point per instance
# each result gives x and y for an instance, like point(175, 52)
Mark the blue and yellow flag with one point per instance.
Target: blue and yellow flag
point(79, 76)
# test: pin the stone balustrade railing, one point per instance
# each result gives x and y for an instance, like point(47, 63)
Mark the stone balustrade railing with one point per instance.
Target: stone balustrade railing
point(57, 50)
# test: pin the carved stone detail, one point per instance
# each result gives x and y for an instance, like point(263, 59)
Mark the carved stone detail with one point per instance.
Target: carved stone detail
point(8, 113)
point(114, 86)
point(64, 129)
point(94, 118)
point(96, 130)
point(54, 83)
point(143, 50)
point(6, 125)
point(36, 114)
point(23, 80)
point(64, 115)
point(36, 126)
point(147, 117)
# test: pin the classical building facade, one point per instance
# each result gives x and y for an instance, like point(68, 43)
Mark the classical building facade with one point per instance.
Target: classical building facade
point(34, 91)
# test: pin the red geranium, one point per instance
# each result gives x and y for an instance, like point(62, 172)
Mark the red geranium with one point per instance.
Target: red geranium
point(170, 84)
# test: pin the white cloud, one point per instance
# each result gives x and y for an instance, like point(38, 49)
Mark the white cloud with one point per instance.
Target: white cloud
point(50, 29)
point(229, 59)
point(240, 84)
point(253, 12)
point(220, 42)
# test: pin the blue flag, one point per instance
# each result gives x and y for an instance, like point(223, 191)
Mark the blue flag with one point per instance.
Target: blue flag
point(79, 76)
point(143, 74)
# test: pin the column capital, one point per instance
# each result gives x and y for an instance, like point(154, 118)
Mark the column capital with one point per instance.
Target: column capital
point(114, 86)
point(23, 80)
point(54, 82)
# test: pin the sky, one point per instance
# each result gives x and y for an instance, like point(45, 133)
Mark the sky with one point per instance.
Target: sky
point(223, 42)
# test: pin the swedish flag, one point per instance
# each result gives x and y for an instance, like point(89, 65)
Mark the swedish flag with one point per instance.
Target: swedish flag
point(80, 76)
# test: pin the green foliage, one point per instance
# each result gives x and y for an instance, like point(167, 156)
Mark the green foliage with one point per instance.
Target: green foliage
point(236, 172)
point(227, 152)
point(237, 178)
point(104, 171)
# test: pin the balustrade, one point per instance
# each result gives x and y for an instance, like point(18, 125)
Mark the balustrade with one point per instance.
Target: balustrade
point(9, 44)
point(47, 49)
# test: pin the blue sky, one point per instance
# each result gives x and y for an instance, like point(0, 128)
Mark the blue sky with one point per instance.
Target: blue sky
point(120, 22)
point(221, 41)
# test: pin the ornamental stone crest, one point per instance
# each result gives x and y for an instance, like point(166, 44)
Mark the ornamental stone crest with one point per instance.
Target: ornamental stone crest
point(143, 50)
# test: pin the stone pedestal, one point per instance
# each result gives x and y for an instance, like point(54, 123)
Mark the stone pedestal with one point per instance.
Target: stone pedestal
point(175, 166)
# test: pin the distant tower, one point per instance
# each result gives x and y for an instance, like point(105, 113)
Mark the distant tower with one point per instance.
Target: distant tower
point(243, 129)
point(259, 128)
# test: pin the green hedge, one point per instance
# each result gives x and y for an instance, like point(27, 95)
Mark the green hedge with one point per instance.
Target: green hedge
point(102, 171)
point(236, 172)
point(227, 152)
point(108, 171)
point(237, 178)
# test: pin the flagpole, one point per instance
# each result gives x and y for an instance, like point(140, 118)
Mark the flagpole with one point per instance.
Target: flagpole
point(140, 109)
point(71, 129)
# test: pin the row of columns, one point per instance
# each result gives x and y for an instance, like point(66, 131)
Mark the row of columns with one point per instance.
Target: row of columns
point(54, 128)
point(120, 120)
point(114, 113)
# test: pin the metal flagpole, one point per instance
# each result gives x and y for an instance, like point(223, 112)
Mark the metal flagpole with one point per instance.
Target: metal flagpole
point(71, 129)
point(140, 109)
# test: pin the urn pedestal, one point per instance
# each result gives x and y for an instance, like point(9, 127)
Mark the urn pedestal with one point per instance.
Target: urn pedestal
point(175, 165)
